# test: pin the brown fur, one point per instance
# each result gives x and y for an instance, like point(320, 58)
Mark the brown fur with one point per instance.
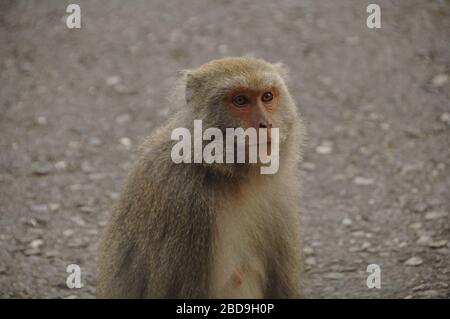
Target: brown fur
point(208, 230)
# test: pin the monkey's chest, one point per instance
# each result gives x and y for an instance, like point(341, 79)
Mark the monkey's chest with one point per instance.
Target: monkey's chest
point(239, 256)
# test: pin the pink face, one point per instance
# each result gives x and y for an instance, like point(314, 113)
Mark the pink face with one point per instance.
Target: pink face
point(253, 107)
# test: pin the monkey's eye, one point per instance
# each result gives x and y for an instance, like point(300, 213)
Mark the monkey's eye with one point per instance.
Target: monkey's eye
point(240, 100)
point(267, 97)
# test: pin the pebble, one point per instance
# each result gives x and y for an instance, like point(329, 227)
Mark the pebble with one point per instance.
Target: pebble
point(359, 180)
point(37, 243)
point(308, 166)
point(308, 250)
point(125, 141)
point(95, 141)
point(445, 118)
point(42, 208)
point(414, 261)
point(359, 233)
point(415, 226)
point(311, 261)
point(68, 232)
point(435, 215)
point(347, 222)
point(41, 170)
point(334, 275)
point(61, 165)
point(113, 80)
point(54, 206)
point(438, 244)
point(440, 80)
point(326, 147)
point(423, 240)
point(78, 243)
point(78, 220)
point(41, 120)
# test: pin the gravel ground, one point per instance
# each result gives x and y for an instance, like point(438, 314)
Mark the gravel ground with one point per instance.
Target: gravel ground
point(76, 103)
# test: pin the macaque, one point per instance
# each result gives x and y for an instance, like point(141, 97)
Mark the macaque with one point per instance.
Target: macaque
point(211, 230)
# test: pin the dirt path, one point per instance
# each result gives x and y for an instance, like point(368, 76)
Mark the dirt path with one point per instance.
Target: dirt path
point(74, 104)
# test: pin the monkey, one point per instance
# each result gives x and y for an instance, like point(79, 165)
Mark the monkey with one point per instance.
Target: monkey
point(211, 230)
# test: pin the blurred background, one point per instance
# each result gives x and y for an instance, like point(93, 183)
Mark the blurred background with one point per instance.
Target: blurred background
point(76, 103)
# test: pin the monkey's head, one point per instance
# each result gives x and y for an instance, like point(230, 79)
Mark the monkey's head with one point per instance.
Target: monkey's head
point(241, 92)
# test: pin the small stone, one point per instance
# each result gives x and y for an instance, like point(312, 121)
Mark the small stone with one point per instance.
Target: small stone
point(354, 249)
point(359, 233)
point(420, 207)
point(347, 222)
point(54, 206)
point(68, 232)
point(445, 118)
point(415, 226)
point(95, 141)
point(41, 120)
point(311, 261)
point(113, 80)
point(308, 166)
point(334, 275)
point(78, 220)
point(78, 243)
point(61, 165)
point(363, 181)
point(41, 170)
point(423, 240)
point(326, 147)
point(125, 141)
point(37, 243)
point(39, 208)
point(414, 261)
point(308, 250)
point(419, 287)
point(113, 195)
point(438, 244)
point(29, 221)
point(440, 80)
point(435, 215)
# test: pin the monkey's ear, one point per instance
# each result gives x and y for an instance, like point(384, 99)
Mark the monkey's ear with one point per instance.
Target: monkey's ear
point(281, 69)
point(192, 84)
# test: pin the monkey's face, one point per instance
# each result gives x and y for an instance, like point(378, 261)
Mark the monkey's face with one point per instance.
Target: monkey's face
point(242, 93)
point(253, 107)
